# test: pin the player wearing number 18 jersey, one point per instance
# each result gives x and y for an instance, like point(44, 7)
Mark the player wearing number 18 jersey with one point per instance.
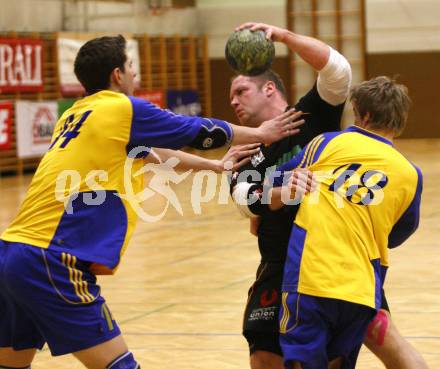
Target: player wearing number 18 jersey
point(367, 201)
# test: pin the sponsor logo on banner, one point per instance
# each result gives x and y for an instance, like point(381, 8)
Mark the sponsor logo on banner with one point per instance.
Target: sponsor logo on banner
point(5, 125)
point(43, 125)
point(21, 65)
point(155, 97)
point(67, 50)
point(35, 122)
point(184, 102)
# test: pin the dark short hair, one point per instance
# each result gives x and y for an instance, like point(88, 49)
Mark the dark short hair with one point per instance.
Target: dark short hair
point(96, 60)
point(268, 75)
point(386, 102)
point(274, 77)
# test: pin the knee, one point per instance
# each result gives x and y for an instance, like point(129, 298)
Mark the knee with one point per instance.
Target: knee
point(125, 361)
point(266, 360)
point(378, 328)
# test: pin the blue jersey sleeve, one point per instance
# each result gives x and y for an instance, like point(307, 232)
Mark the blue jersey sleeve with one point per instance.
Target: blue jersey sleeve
point(409, 221)
point(277, 177)
point(152, 126)
point(305, 158)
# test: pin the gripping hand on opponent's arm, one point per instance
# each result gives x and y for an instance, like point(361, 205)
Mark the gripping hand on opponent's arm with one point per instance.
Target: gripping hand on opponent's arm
point(301, 182)
point(237, 156)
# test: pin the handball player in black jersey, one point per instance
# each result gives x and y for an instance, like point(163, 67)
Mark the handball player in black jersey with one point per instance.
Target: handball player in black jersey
point(254, 100)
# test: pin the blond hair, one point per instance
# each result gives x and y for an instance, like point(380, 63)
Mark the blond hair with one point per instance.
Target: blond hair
point(386, 102)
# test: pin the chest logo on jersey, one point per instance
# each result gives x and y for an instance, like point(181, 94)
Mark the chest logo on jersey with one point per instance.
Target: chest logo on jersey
point(257, 159)
point(288, 155)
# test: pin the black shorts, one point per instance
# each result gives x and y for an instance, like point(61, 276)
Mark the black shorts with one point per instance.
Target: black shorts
point(384, 304)
point(261, 316)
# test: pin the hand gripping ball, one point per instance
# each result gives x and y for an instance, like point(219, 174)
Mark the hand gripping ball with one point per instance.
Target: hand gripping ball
point(249, 53)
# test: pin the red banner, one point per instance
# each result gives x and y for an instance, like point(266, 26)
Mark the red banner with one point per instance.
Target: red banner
point(6, 125)
point(155, 97)
point(21, 63)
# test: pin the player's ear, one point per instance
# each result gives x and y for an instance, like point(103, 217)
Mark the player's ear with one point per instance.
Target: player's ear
point(366, 118)
point(269, 88)
point(115, 76)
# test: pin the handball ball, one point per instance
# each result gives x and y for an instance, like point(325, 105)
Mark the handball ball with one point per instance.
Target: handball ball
point(249, 53)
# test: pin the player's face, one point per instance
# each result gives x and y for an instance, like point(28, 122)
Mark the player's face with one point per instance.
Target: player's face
point(247, 99)
point(127, 77)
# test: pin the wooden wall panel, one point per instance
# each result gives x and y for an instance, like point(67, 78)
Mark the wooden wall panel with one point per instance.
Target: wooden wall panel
point(420, 73)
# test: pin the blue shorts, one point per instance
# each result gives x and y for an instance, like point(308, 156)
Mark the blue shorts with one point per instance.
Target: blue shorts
point(315, 331)
point(50, 296)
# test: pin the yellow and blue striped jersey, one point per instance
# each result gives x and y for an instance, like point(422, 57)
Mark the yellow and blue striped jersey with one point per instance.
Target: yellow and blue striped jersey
point(74, 202)
point(368, 200)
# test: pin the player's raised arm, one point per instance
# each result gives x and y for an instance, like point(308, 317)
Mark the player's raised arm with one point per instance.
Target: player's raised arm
point(334, 78)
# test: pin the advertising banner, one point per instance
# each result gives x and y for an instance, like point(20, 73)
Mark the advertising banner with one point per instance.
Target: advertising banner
point(21, 63)
point(63, 105)
point(35, 122)
point(185, 102)
point(155, 97)
point(67, 50)
point(6, 110)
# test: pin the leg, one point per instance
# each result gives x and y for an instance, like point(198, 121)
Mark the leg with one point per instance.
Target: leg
point(335, 364)
point(100, 356)
point(16, 359)
point(17, 330)
point(260, 323)
point(385, 341)
point(304, 331)
point(266, 360)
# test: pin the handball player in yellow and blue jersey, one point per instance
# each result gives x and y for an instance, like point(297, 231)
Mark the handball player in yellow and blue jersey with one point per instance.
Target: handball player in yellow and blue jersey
point(52, 250)
point(366, 201)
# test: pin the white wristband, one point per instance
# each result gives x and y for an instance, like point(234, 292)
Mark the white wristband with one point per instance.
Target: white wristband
point(240, 197)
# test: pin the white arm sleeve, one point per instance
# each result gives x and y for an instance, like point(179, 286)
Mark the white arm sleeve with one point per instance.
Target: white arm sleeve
point(334, 80)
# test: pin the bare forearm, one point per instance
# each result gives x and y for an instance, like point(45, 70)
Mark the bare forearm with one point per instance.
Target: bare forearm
point(275, 202)
point(189, 161)
point(245, 135)
point(314, 52)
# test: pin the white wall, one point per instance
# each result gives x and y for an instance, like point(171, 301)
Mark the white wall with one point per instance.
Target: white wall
point(27, 15)
point(393, 25)
point(219, 21)
point(403, 25)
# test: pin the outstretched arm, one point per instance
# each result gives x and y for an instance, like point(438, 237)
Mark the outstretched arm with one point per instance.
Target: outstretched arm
point(155, 127)
point(232, 160)
point(286, 124)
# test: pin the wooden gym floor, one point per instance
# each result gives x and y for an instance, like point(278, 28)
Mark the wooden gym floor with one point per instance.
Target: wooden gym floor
point(180, 291)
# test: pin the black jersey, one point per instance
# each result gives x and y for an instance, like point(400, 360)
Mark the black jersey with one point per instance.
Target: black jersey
point(275, 227)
